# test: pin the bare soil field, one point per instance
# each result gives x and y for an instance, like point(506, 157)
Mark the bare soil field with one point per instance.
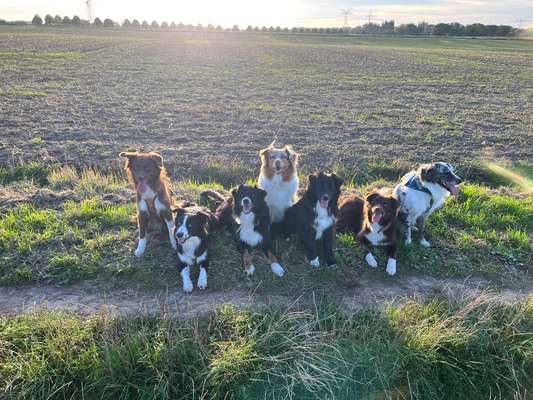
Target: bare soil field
point(81, 96)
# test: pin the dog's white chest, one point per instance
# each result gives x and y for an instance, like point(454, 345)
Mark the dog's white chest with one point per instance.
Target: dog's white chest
point(247, 232)
point(375, 236)
point(188, 249)
point(280, 195)
point(322, 220)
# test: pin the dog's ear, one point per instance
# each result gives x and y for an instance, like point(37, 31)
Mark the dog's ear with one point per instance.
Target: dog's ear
point(128, 155)
point(372, 195)
point(235, 190)
point(262, 193)
point(338, 180)
point(428, 172)
point(291, 154)
point(178, 211)
point(205, 216)
point(157, 158)
point(311, 179)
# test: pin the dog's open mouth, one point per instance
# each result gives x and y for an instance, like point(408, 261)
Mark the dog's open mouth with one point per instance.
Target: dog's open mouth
point(247, 208)
point(376, 217)
point(182, 240)
point(452, 188)
point(324, 203)
point(141, 187)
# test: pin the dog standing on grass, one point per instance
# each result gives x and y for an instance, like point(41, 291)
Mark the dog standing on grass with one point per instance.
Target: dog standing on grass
point(421, 193)
point(279, 179)
point(154, 201)
point(373, 221)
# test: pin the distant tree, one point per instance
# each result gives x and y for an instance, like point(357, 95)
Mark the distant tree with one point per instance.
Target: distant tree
point(504, 30)
point(97, 22)
point(154, 24)
point(109, 23)
point(327, 31)
point(199, 27)
point(181, 26)
point(249, 28)
point(219, 28)
point(271, 29)
point(145, 24)
point(278, 28)
point(58, 20)
point(37, 20)
point(126, 23)
point(286, 30)
point(321, 30)
point(264, 29)
point(173, 25)
point(235, 28)
point(164, 25)
point(48, 20)
point(76, 20)
point(387, 28)
point(407, 29)
point(441, 29)
point(294, 29)
point(66, 20)
point(210, 27)
point(423, 29)
point(135, 24)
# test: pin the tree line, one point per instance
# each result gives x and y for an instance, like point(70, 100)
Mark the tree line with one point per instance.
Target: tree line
point(385, 28)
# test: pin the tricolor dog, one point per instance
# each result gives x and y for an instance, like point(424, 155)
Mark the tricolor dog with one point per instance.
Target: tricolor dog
point(312, 218)
point(421, 193)
point(373, 221)
point(279, 179)
point(192, 227)
point(148, 175)
point(246, 215)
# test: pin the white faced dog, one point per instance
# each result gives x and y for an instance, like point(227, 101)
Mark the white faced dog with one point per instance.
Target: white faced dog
point(422, 192)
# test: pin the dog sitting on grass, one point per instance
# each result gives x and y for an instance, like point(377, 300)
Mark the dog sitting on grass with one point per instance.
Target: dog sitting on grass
point(373, 221)
point(154, 201)
point(192, 227)
point(279, 179)
point(246, 215)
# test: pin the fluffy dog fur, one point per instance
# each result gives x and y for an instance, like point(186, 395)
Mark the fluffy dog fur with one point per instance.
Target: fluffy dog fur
point(147, 173)
point(246, 215)
point(279, 179)
point(192, 227)
point(312, 218)
point(421, 193)
point(373, 221)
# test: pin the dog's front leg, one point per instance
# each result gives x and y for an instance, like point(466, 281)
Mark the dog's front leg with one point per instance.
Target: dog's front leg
point(369, 257)
point(169, 221)
point(203, 263)
point(275, 265)
point(185, 271)
point(420, 224)
point(391, 262)
point(308, 237)
point(142, 222)
point(329, 235)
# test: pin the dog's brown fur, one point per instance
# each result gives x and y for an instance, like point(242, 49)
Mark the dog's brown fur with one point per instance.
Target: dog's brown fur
point(148, 175)
point(286, 165)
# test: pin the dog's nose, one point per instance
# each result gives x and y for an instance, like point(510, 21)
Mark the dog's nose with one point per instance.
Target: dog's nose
point(246, 202)
point(179, 234)
point(325, 197)
point(278, 164)
point(459, 180)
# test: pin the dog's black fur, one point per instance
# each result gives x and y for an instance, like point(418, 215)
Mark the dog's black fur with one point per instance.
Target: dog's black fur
point(301, 218)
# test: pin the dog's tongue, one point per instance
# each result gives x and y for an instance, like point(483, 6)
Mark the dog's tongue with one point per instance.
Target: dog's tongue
point(141, 188)
point(376, 218)
point(324, 203)
point(454, 190)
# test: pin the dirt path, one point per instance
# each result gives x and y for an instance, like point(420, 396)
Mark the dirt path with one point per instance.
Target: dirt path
point(87, 299)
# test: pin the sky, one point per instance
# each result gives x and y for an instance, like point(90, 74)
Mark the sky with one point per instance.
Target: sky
point(309, 13)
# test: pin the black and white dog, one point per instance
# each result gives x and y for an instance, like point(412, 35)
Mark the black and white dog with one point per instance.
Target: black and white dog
point(421, 193)
point(247, 216)
point(192, 226)
point(313, 217)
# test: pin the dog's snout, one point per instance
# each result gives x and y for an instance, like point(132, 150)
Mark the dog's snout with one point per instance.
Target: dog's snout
point(458, 180)
point(246, 201)
point(179, 234)
point(325, 197)
point(277, 163)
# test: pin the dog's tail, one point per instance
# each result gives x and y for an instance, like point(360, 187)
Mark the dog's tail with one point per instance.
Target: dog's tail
point(210, 196)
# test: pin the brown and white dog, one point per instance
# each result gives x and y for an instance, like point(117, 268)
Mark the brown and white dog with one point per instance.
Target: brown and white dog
point(279, 179)
point(422, 192)
point(373, 221)
point(148, 175)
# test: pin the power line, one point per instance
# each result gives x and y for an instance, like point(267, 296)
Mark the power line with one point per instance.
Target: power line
point(346, 13)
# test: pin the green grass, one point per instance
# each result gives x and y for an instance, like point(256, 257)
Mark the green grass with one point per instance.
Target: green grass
point(441, 349)
point(483, 233)
point(31, 171)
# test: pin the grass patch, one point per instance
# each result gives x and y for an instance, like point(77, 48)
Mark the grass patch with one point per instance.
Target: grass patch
point(437, 350)
point(87, 183)
point(62, 246)
point(31, 171)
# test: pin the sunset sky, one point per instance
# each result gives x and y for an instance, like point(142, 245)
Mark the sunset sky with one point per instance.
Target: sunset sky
point(319, 13)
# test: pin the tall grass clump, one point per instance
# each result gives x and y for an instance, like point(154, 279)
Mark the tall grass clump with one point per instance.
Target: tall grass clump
point(441, 349)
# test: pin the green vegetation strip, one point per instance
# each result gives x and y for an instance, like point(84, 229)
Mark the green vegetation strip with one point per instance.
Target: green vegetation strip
point(438, 350)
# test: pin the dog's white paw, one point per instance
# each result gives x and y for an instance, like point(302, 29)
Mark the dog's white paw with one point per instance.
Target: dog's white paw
point(173, 243)
point(425, 243)
point(371, 261)
point(391, 266)
point(277, 269)
point(315, 263)
point(250, 270)
point(186, 278)
point(202, 279)
point(141, 247)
